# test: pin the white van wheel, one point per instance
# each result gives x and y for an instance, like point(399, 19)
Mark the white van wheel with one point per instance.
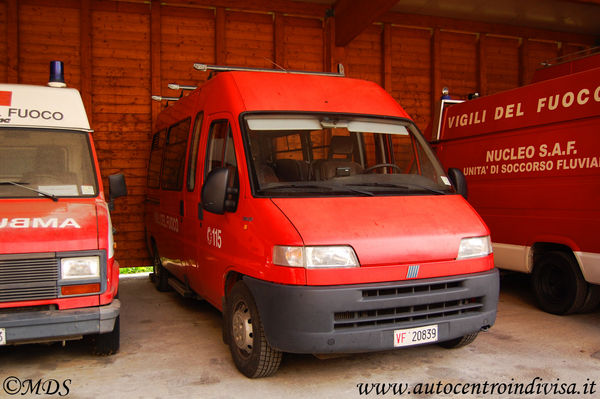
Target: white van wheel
point(558, 284)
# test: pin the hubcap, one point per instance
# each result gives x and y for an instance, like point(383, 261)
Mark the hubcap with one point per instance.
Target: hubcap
point(242, 327)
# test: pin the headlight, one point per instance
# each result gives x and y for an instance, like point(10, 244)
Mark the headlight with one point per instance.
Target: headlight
point(315, 257)
point(474, 247)
point(80, 268)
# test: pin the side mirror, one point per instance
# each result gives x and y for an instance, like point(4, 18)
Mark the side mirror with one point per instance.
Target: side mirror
point(219, 194)
point(458, 181)
point(116, 188)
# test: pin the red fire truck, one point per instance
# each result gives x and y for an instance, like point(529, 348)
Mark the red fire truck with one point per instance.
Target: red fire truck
point(531, 157)
point(308, 208)
point(58, 276)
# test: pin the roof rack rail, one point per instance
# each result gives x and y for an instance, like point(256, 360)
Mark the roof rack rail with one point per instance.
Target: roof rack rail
point(220, 68)
point(167, 99)
point(175, 86)
point(571, 57)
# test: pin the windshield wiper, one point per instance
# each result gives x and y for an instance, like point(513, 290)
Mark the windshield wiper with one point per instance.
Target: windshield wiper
point(323, 186)
point(21, 184)
point(401, 186)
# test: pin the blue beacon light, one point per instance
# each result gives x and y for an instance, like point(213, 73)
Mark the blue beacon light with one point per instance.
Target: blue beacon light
point(57, 74)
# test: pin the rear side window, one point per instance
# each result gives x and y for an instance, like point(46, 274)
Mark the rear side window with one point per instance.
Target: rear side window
point(155, 162)
point(193, 157)
point(174, 159)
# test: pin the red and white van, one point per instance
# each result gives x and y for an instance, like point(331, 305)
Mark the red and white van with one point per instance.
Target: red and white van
point(58, 276)
point(531, 157)
point(310, 210)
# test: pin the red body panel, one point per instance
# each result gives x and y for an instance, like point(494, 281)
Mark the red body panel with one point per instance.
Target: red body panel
point(388, 233)
point(41, 225)
point(532, 159)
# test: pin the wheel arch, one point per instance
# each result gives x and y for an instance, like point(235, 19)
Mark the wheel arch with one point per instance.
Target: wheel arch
point(540, 248)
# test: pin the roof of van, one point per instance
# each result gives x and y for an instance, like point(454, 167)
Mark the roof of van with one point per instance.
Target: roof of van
point(299, 92)
point(238, 92)
point(41, 107)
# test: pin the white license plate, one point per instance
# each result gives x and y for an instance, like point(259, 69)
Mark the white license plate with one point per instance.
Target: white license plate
point(415, 336)
point(2, 336)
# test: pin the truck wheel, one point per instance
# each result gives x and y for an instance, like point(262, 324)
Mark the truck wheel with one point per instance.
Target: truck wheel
point(108, 343)
point(460, 341)
point(592, 299)
point(161, 276)
point(252, 354)
point(558, 284)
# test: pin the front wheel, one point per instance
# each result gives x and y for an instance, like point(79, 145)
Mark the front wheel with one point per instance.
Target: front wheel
point(459, 342)
point(108, 343)
point(558, 283)
point(252, 354)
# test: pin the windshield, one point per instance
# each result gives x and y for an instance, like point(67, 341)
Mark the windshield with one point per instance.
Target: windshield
point(331, 155)
point(45, 163)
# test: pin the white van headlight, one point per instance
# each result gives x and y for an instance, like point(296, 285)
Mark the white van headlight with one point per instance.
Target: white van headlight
point(474, 247)
point(80, 268)
point(315, 257)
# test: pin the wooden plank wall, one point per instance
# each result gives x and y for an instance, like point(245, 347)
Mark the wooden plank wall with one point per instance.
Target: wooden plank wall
point(119, 53)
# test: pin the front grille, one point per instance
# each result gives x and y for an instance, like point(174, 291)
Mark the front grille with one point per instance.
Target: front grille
point(411, 289)
point(28, 279)
point(401, 315)
point(395, 306)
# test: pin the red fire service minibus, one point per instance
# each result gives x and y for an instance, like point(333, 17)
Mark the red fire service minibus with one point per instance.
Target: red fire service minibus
point(308, 208)
point(531, 157)
point(58, 276)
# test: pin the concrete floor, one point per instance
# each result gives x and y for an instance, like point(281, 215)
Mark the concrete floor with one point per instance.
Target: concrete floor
point(171, 348)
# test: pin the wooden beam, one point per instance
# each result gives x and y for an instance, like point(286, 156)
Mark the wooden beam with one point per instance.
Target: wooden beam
point(85, 55)
point(436, 73)
point(524, 72)
point(155, 58)
point(12, 41)
point(353, 17)
point(333, 54)
point(427, 21)
point(387, 57)
point(482, 82)
point(279, 40)
point(220, 42)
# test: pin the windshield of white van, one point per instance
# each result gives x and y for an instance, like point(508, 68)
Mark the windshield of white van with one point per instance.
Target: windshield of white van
point(45, 163)
point(329, 155)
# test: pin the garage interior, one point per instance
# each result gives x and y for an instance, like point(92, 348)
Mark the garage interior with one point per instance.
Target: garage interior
point(119, 53)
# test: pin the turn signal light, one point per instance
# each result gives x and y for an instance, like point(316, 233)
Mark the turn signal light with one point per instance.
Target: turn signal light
point(80, 289)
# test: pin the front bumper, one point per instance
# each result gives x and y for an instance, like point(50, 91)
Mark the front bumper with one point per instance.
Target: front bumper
point(28, 325)
point(363, 317)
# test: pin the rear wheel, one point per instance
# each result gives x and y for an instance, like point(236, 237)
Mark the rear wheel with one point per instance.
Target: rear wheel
point(558, 284)
point(252, 354)
point(161, 276)
point(459, 342)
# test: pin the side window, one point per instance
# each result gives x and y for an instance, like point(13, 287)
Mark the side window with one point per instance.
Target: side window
point(193, 156)
point(220, 151)
point(155, 162)
point(174, 159)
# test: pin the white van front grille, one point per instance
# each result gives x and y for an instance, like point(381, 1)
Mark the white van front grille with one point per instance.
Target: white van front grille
point(24, 279)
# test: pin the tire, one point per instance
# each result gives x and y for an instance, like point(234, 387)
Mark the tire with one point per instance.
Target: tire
point(592, 299)
point(252, 354)
point(558, 284)
point(161, 275)
point(459, 342)
point(108, 343)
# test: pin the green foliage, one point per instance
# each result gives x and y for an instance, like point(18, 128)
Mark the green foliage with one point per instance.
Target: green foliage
point(133, 270)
